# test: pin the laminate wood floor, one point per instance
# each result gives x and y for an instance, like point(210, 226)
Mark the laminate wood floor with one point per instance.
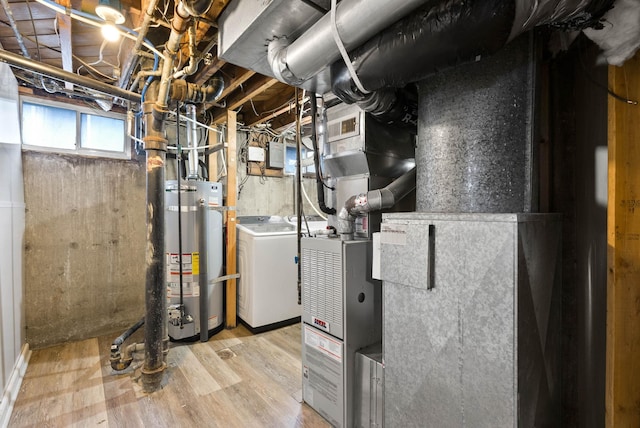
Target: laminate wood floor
point(237, 379)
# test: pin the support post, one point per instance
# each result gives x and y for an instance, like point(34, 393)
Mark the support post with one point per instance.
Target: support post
point(623, 258)
point(231, 320)
point(212, 159)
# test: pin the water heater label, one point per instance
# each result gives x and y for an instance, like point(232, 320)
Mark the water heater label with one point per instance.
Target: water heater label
point(189, 289)
point(393, 234)
point(326, 345)
point(190, 266)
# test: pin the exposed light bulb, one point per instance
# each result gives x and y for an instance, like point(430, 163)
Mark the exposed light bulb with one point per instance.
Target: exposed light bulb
point(110, 32)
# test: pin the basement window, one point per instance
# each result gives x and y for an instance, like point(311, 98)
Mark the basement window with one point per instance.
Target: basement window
point(54, 126)
point(290, 161)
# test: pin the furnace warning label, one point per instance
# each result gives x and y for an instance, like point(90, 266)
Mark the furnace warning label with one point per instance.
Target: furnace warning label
point(190, 267)
point(394, 234)
point(329, 347)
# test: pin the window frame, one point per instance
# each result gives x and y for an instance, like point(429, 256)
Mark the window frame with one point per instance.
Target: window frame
point(305, 169)
point(78, 110)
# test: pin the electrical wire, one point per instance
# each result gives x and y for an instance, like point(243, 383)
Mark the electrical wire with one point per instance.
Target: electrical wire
point(93, 20)
point(306, 196)
point(598, 84)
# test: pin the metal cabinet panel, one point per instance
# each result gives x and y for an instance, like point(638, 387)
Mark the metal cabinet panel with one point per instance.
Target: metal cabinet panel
point(452, 351)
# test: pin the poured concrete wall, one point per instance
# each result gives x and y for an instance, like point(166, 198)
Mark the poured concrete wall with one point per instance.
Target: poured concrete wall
point(85, 241)
point(274, 196)
point(84, 246)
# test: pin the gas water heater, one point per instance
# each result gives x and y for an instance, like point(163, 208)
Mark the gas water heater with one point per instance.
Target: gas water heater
point(193, 247)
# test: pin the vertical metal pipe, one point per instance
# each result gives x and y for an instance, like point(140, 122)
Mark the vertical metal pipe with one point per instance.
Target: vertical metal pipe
point(203, 277)
point(192, 142)
point(298, 196)
point(155, 284)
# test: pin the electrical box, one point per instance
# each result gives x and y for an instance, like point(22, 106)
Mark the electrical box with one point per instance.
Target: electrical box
point(275, 157)
point(256, 154)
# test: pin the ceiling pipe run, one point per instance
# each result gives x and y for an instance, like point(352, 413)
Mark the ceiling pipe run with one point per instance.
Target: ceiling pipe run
point(144, 28)
point(23, 63)
point(356, 22)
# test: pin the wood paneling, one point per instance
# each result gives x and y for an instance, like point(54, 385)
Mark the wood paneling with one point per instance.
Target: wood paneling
point(236, 379)
point(623, 236)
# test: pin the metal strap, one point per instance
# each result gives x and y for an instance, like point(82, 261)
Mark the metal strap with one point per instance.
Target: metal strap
point(224, 278)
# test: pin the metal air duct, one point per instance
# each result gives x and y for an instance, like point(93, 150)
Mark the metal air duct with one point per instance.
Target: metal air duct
point(355, 20)
point(453, 32)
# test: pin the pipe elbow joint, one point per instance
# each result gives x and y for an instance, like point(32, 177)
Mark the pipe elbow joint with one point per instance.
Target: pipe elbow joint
point(117, 362)
point(119, 365)
point(346, 222)
point(277, 58)
point(196, 7)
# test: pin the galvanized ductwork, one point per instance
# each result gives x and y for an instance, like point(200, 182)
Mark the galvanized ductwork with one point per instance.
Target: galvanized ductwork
point(356, 21)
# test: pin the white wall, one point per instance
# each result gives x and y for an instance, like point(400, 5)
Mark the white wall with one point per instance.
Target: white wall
point(12, 223)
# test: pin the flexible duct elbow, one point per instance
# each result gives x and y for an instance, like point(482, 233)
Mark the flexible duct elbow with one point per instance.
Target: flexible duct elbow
point(374, 200)
point(277, 58)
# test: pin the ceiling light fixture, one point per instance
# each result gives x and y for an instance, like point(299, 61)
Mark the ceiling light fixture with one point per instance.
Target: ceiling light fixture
point(110, 11)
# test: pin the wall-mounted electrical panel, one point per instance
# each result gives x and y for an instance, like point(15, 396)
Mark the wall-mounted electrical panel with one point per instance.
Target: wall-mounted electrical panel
point(255, 154)
point(275, 155)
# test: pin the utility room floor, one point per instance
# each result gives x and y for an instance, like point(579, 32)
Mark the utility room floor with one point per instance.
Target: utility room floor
point(236, 379)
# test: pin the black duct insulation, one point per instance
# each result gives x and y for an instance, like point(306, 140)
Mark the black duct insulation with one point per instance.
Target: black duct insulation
point(435, 38)
point(432, 39)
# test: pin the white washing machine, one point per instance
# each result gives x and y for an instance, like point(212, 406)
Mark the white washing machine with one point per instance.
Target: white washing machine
point(268, 286)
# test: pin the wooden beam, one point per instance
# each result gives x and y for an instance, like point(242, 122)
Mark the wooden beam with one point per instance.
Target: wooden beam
point(238, 75)
point(255, 86)
point(205, 73)
point(289, 110)
point(622, 401)
point(217, 6)
point(231, 317)
point(212, 159)
point(66, 45)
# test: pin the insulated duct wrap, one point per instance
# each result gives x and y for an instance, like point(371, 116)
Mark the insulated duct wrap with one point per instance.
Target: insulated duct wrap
point(566, 14)
point(432, 39)
point(439, 37)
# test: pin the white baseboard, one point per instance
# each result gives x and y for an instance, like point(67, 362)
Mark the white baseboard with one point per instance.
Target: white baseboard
point(10, 393)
